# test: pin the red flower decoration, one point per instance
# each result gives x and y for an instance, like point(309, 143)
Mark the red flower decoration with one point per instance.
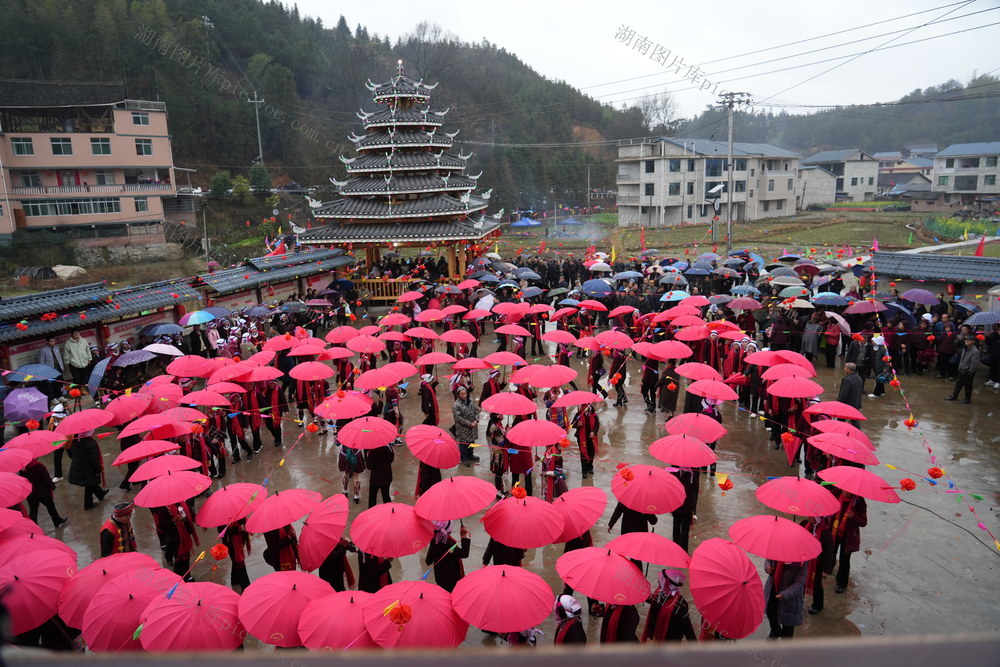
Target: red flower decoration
point(858, 337)
point(627, 474)
point(401, 614)
point(894, 382)
point(74, 393)
point(32, 424)
point(518, 492)
point(83, 316)
point(219, 551)
point(725, 486)
point(341, 393)
point(672, 387)
point(787, 437)
point(197, 429)
point(887, 358)
point(931, 338)
point(935, 472)
point(564, 443)
point(892, 284)
point(910, 422)
point(21, 326)
point(312, 428)
point(907, 484)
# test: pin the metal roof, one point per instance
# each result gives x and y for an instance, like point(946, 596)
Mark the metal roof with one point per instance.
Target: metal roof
point(399, 231)
point(20, 307)
point(708, 147)
point(833, 156)
point(977, 148)
point(380, 209)
point(949, 268)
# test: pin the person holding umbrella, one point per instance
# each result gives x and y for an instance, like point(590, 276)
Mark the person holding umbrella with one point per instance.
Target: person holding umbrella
point(57, 415)
point(87, 468)
point(42, 487)
point(632, 521)
point(117, 536)
point(237, 541)
point(588, 425)
point(282, 551)
point(667, 389)
point(379, 462)
point(428, 399)
point(373, 572)
point(668, 619)
point(845, 527)
point(621, 621)
point(446, 557)
point(595, 370)
point(336, 566)
point(569, 627)
point(784, 593)
point(466, 428)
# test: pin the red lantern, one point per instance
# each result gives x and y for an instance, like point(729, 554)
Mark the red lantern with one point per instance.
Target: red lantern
point(401, 614)
point(518, 492)
point(312, 428)
point(672, 387)
point(935, 472)
point(219, 551)
point(74, 393)
point(32, 424)
point(787, 437)
point(907, 484)
point(726, 485)
point(893, 382)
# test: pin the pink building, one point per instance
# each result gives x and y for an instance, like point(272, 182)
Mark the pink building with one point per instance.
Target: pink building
point(81, 160)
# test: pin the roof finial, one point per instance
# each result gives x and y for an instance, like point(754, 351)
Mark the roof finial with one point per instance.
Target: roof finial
point(399, 67)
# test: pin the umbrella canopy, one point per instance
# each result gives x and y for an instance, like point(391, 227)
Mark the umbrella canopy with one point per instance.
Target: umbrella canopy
point(775, 538)
point(206, 398)
point(81, 587)
point(367, 433)
point(512, 330)
point(196, 317)
point(921, 296)
point(471, 364)
point(37, 443)
point(794, 495)
point(311, 370)
point(834, 426)
point(834, 409)
point(230, 503)
point(144, 449)
point(573, 398)
point(198, 616)
point(455, 498)
point(391, 530)
point(161, 466)
point(161, 329)
point(650, 548)
point(580, 509)
point(604, 575)
point(270, 607)
point(414, 614)
point(336, 621)
point(504, 359)
point(458, 336)
point(844, 447)
point(32, 583)
point(113, 615)
point(509, 403)
point(172, 488)
point(696, 425)
point(614, 339)
point(282, 508)
point(83, 421)
point(860, 482)
point(695, 370)
point(683, 450)
point(432, 445)
point(669, 349)
point(13, 460)
point(344, 404)
point(523, 523)
point(647, 489)
point(13, 489)
point(713, 389)
point(782, 371)
point(535, 433)
point(322, 531)
point(985, 318)
point(161, 348)
point(432, 358)
point(32, 373)
point(421, 332)
point(795, 387)
point(192, 366)
point(126, 408)
point(726, 588)
point(25, 403)
point(365, 345)
point(502, 598)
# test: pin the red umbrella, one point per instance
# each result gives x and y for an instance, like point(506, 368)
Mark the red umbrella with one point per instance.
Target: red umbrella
point(559, 336)
point(322, 531)
point(83, 421)
point(432, 445)
point(455, 498)
point(23, 527)
point(683, 450)
point(432, 358)
point(650, 548)
point(230, 503)
point(391, 530)
point(31, 583)
point(234, 373)
point(535, 433)
point(340, 335)
point(414, 614)
point(580, 509)
point(552, 376)
point(623, 310)
point(510, 308)
point(25, 537)
point(144, 449)
point(421, 332)
point(344, 404)
point(315, 350)
point(712, 389)
point(602, 574)
point(126, 408)
point(775, 538)
point(614, 339)
point(336, 621)
point(37, 443)
point(696, 425)
point(81, 587)
point(834, 409)
point(151, 424)
point(281, 509)
point(787, 370)
point(401, 369)
point(678, 310)
point(270, 607)
point(279, 343)
point(561, 313)
point(458, 336)
point(504, 359)
point(796, 358)
point(834, 426)
point(111, 621)
point(795, 387)
point(695, 370)
point(469, 283)
point(14, 459)
point(587, 343)
point(647, 489)
point(311, 370)
point(333, 354)
point(262, 358)
point(172, 488)
point(523, 523)
point(726, 588)
point(540, 308)
point(572, 398)
point(454, 309)
point(668, 349)
point(192, 366)
point(429, 315)
point(687, 321)
point(696, 300)
point(377, 378)
point(794, 495)
point(591, 304)
point(198, 616)
point(367, 433)
point(476, 314)
point(502, 598)
point(844, 447)
point(184, 414)
point(396, 336)
point(161, 466)
point(509, 403)
point(471, 364)
point(13, 489)
point(860, 482)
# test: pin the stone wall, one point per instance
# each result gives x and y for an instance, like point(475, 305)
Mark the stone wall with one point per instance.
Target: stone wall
point(122, 252)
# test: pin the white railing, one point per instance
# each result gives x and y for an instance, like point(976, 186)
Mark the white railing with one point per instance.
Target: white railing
point(92, 189)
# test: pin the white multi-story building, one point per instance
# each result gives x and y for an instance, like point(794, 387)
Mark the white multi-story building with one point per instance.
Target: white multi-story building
point(856, 172)
point(968, 173)
point(671, 181)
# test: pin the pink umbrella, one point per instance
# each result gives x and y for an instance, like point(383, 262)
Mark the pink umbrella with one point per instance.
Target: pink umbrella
point(311, 371)
point(587, 343)
point(454, 309)
point(206, 398)
point(504, 359)
point(510, 308)
point(764, 358)
point(31, 583)
point(367, 433)
point(279, 343)
point(502, 598)
point(683, 450)
point(580, 509)
point(14, 459)
point(794, 495)
point(687, 321)
point(184, 414)
point(476, 314)
point(263, 373)
point(270, 607)
point(165, 396)
point(572, 398)
point(623, 310)
point(795, 387)
point(23, 527)
point(536, 433)
point(696, 425)
point(432, 445)
point(797, 358)
point(391, 530)
point(844, 447)
point(83, 421)
point(13, 489)
point(376, 378)
point(712, 389)
point(316, 350)
point(559, 336)
point(469, 283)
point(695, 300)
point(37, 443)
point(406, 297)
point(230, 503)
point(509, 403)
point(604, 575)
point(458, 336)
point(455, 498)
point(414, 614)
point(834, 426)
point(789, 370)
point(22, 538)
point(591, 304)
point(401, 369)
point(695, 370)
point(334, 353)
point(81, 587)
point(551, 376)
point(614, 339)
point(111, 621)
point(152, 424)
point(341, 335)
point(344, 404)
point(524, 523)
point(281, 509)
point(322, 531)
point(775, 538)
point(744, 303)
point(669, 349)
point(262, 358)
point(540, 308)
point(834, 409)
point(692, 333)
point(864, 307)
point(172, 488)
point(650, 548)
point(192, 366)
point(512, 330)
point(860, 482)
point(726, 588)
point(336, 621)
point(421, 332)
point(126, 408)
point(198, 616)
point(234, 372)
point(471, 364)
point(432, 358)
point(366, 344)
point(161, 466)
point(647, 489)
point(144, 449)
point(561, 313)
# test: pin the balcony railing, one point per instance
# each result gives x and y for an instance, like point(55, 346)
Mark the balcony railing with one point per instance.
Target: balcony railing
point(628, 176)
point(92, 189)
point(630, 199)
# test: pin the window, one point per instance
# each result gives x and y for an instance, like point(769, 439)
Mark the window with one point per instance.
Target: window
point(770, 185)
point(767, 205)
point(1, 210)
point(739, 186)
point(673, 189)
point(786, 167)
point(100, 146)
point(871, 181)
point(751, 194)
point(650, 166)
point(104, 177)
point(675, 165)
point(140, 118)
point(691, 167)
point(141, 204)
point(713, 167)
point(751, 173)
point(741, 164)
point(30, 179)
point(991, 179)
point(991, 161)
point(690, 211)
point(780, 204)
point(791, 184)
point(949, 163)
point(942, 180)
point(143, 146)
point(648, 189)
point(22, 146)
point(62, 146)
point(71, 207)
point(690, 187)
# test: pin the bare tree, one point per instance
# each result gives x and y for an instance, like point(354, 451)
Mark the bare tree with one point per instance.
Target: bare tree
point(430, 50)
point(659, 113)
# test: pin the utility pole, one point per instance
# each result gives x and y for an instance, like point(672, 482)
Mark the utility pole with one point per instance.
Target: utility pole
point(256, 110)
point(588, 186)
point(730, 100)
point(204, 225)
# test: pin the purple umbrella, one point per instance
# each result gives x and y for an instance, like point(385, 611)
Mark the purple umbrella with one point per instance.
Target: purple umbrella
point(24, 404)
point(921, 296)
point(863, 307)
point(134, 357)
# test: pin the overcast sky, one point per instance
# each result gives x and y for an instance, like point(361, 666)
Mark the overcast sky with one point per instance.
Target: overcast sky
point(578, 42)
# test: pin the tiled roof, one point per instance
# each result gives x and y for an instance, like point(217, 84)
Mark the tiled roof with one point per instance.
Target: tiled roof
point(292, 258)
point(19, 307)
point(310, 269)
point(386, 117)
point(379, 209)
point(406, 183)
point(399, 231)
point(952, 268)
point(264, 270)
point(66, 321)
point(403, 139)
point(27, 94)
point(978, 148)
point(411, 160)
point(400, 86)
point(710, 148)
point(832, 156)
point(151, 296)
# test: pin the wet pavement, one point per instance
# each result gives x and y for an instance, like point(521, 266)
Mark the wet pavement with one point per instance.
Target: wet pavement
point(921, 570)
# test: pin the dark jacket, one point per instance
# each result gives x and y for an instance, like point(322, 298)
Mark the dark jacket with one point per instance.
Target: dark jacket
point(379, 461)
point(851, 390)
point(792, 588)
point(41, 482)
point(447, 564)
point(501, 554)
point(632, 521)
point(86, 467)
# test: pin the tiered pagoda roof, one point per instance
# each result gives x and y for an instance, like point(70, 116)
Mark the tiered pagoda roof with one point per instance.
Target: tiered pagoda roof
point(404, 173)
